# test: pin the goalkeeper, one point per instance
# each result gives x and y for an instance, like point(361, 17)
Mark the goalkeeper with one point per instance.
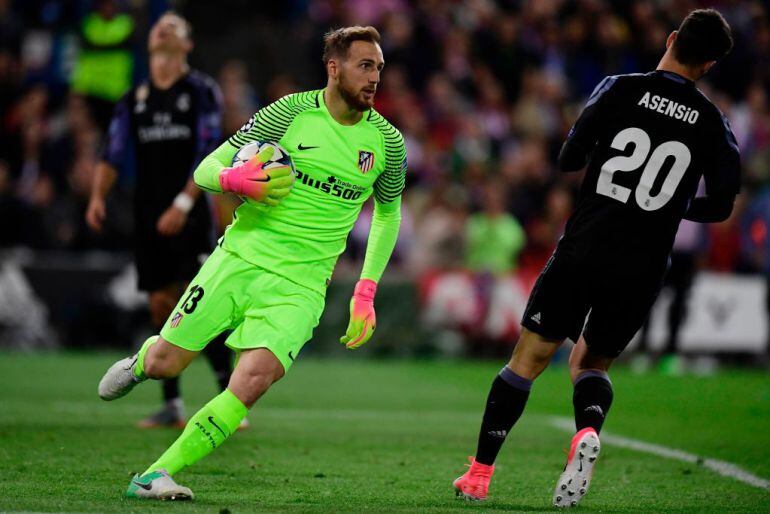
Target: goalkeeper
point(267, 278)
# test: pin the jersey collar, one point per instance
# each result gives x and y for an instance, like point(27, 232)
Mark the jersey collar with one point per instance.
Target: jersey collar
point(321, 99)
point(674, 76)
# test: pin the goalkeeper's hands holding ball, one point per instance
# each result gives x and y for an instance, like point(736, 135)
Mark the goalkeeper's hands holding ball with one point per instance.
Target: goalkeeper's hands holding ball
point(267, 185)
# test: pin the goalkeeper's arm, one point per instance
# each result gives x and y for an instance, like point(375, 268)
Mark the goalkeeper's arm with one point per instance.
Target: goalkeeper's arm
point(383, 234)
point(250, 179)
point(206, 175)
point(267, 124)
point(382, 239)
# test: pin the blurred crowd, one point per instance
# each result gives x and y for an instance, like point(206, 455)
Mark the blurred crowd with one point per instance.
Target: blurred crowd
point(484, 92)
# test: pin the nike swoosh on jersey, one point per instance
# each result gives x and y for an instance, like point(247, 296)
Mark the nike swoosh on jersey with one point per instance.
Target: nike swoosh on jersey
point(300, 147)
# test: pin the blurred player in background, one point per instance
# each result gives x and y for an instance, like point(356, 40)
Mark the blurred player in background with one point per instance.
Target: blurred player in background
point(688, 245)
point(170, 122)
point(267, 279)
point(105, 62)
point(648, 139)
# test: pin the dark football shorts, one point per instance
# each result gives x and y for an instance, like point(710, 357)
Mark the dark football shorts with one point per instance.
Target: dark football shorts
point(615, 297)
point(162, 261)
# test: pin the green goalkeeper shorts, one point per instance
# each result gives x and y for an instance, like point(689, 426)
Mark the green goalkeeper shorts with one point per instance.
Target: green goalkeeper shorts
point(263, 309)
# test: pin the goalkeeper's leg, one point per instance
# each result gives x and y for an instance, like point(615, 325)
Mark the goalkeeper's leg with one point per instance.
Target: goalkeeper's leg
point(171, 413)
point(203, 312)
point(156, 359)
point(208, 428)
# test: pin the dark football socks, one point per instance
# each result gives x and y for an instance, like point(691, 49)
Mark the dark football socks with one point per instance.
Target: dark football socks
point(592, 399)
point(221, 360)
point(170, 389)
point(505, 403)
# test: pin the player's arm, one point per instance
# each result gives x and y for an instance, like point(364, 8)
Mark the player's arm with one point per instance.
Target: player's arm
point(583, 135)
point(106, 172)
point(383, 235)
point(209, 132)
point(215, 174)
point(722, 178)
point(711, 209)
point(206, 175)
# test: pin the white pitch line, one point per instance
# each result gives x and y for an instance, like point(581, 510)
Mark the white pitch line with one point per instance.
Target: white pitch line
point(721, 467)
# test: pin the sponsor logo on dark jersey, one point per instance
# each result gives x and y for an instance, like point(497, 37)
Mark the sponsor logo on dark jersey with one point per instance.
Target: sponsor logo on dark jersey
point(163, 128)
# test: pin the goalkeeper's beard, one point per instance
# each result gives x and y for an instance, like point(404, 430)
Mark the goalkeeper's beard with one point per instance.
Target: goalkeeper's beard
point(352, 97)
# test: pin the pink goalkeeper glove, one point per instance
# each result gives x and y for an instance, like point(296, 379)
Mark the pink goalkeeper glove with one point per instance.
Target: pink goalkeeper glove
point(268, 186)
point(362, 318)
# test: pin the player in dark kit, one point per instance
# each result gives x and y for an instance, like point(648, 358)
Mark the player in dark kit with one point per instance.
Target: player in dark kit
point(170, 122)
point(648, 139)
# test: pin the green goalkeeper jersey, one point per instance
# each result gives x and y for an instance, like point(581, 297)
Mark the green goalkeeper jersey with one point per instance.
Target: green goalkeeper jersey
point(338, 168)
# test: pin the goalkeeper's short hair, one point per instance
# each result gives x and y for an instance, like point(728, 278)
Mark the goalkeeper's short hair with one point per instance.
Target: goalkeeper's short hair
point(337, 42)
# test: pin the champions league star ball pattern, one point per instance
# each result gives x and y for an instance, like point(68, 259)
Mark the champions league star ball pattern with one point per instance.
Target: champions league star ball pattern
point(280, 158)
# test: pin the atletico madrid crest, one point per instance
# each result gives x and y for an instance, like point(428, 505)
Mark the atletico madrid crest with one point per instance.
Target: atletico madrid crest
point(365, 160)
point(176, 320)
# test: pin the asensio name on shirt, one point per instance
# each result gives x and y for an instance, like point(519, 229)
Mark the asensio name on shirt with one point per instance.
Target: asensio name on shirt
point(665, 106)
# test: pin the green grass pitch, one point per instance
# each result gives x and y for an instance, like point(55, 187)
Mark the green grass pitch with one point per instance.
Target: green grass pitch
point(381, 436)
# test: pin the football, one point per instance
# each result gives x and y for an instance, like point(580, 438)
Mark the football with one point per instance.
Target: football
point(280, 156)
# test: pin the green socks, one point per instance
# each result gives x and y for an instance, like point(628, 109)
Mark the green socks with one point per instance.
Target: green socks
point(205, 431)
point(139, 369)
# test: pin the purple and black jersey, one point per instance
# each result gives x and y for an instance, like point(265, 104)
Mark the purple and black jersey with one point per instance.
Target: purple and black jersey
point(169, 131)
point(648, 139)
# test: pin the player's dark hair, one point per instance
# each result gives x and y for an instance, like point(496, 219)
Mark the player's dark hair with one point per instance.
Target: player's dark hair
point(337, 42)
point(703, 36)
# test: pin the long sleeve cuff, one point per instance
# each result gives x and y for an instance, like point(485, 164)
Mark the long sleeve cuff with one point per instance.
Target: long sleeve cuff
point(206, 175)
point(710, 209)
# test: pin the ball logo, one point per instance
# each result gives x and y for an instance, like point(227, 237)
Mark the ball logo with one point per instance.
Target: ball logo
point(365, 160)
